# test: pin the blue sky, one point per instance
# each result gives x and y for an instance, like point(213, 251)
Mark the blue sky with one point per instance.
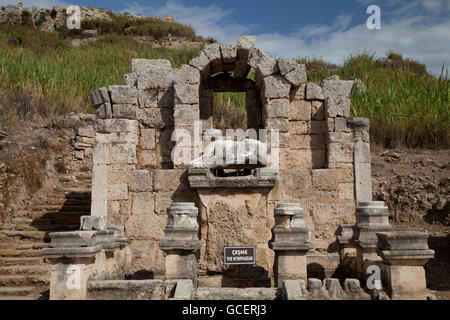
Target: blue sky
point(328, 29)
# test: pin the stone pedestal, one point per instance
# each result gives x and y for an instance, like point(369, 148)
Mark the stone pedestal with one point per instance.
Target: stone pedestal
point(69, 277)
point(81, 256)
point(371, 217)
point(347, 248)
point(345, 240)
point(181, 241)
point(404, 254)
point(291, 242)
point(181, 264)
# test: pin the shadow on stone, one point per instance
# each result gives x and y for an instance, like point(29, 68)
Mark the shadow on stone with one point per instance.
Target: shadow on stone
point(438, 268)
point(346, 269)
point(67, 218)
point(251, 277)
point(440, 216)
point(141, 275)
point(316, 271)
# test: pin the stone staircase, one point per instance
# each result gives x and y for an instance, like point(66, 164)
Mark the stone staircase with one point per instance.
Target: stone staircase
point(24, 275)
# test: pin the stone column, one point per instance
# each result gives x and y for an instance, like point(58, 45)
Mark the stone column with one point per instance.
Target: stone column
point(371, 217)
point(361, 158)
point(181, 241)
point(404, 254)
point(291, 242)
point(99, 205)
point(100, 100)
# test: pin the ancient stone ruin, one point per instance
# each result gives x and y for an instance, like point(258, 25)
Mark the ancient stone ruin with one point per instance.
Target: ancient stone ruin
point(169, 192)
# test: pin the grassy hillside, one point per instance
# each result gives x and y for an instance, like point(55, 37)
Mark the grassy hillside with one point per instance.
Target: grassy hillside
point(41, 75)
point(405, 104)
point(41, 68)
point(139, 27)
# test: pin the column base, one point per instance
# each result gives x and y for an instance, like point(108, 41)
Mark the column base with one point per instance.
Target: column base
point(364, 258)
point(69, 278)
point(181, 265)
point(291, 265)
point(407, 282)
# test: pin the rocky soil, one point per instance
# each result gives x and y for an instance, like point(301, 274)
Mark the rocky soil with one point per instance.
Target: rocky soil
point(416, 187)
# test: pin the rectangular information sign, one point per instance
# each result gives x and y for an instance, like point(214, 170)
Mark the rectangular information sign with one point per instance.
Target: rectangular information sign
point(239, 255)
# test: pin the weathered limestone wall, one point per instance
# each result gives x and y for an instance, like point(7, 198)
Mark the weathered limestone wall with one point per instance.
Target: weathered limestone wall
point(133, 158)
point(135, 179)
point(233, 219)
point(316, 163)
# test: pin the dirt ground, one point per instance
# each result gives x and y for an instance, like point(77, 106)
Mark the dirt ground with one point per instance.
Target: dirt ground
point(416, 186)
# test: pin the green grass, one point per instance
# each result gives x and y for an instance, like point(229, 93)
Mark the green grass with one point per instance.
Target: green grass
point(139, 26)
point(43, 63)
point(232, 98)
point(229, 110)
point(406, 106)
point(41, 74)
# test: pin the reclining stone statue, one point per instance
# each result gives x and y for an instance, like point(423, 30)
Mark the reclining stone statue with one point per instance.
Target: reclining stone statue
point(223, 153)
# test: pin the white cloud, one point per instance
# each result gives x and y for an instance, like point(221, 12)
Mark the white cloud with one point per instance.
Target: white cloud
point(133, 8)
point(436, 6)
point(410, 7)
point(342, 22)
point(414, 35)
point(207, 21)
point(34, 3)
point(426, 43)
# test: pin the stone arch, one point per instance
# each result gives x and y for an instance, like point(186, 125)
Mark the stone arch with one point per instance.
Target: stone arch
point(224, 68)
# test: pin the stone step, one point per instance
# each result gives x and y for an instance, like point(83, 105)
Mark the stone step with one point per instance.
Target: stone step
point(34, 269)
point(59, 215)
point(61, 218)
point(33, 235)
point(76, 191)
point(20, 253)
point(86, 184)
point(16, 298)
point(237, 294)
point(23, 245)
point(77, 177)
point(43, 227)
point(15, 291)
point(21, 213)
point(12, 261)
point(63, 208)
point(64, 201)
point(23, 280)
point(84, 195)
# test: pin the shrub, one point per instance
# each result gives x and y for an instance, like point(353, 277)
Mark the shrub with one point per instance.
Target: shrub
point(26, 18)
point(25, 14)
point(41, 20)
point(53, 13)
point(397, 62)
